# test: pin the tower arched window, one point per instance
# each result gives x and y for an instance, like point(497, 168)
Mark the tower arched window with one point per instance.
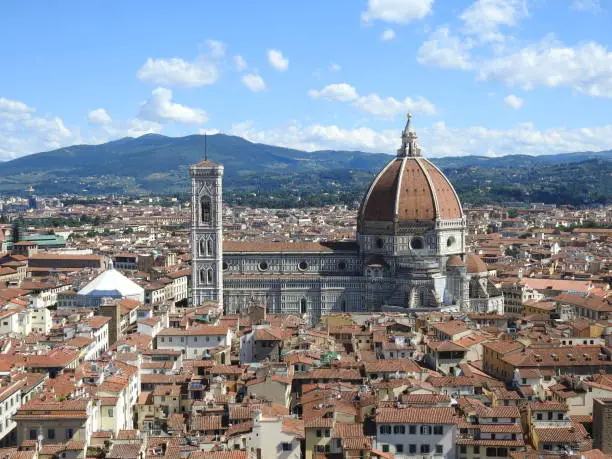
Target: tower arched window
point(209, 276)
point(303, 306)
point(202, 245)
point(202, 276)
point(422, 298)
point(209, 247)
point(205, 209)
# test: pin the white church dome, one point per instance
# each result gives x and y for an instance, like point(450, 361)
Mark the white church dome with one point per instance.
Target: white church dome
point(111, 283)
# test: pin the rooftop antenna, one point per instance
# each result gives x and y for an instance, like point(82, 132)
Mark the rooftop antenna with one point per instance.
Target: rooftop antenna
point(205, 148)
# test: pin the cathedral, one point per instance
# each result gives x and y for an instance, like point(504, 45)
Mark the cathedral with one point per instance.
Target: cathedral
point(409, 254)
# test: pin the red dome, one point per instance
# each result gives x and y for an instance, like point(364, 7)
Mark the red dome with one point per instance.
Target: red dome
point(410, 189)
point(475, 264)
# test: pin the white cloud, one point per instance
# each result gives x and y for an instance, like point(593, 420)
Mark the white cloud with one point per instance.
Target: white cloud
point(14, 109)
point(342, 92)
point(32, 134)
point(117, 129)
point(240, 63)
point(160, 109)
point(99, 116)
point(137, 127)
point(22, 132)
point(217, 48)
point(208, 131)
point(313, 137)
point(26, 133)
point(513, 101)
point(333, 67)
point(20, 136)
point(396, 11)
point(445, 51)
point(437, 140)
point(52, 130)
point(483, 18)
point(387, 107)
point(254, 82)
point(388, 35)
point(277, 60)
point(524, 139)
point(177, 72)
point(590, 6)
point(586, 68)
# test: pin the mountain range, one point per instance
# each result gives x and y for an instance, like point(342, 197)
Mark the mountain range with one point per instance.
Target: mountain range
point(259, 174)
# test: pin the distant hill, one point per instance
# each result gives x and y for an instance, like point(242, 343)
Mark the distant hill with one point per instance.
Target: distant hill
point(261, 174)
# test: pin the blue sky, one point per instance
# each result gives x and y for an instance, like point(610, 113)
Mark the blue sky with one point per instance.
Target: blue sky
point(488, 77)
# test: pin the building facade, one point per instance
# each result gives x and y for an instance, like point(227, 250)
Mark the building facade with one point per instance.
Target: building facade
point(409, 251)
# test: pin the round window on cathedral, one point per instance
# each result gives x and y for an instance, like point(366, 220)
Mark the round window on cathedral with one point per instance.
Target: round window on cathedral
point(342, 265)
point(416, 243)
point(450, 241)
point(302, 266)
point(263, 266)
point(225, 266)
point(380, 243)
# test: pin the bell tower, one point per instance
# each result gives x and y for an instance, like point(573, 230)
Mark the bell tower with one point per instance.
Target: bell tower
point(206, 232)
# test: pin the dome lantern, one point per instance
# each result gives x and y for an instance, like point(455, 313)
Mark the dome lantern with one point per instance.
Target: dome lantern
point(409, 146)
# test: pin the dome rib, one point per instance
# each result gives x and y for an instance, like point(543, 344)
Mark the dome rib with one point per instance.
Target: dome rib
point(398, 190)
point(432, 190)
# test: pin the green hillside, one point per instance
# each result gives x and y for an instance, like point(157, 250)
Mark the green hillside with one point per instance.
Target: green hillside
point(260, 174)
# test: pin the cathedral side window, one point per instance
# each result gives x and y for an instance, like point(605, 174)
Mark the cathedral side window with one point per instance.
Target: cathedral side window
point(263, 266)
point(416, 243)
point(302, 266)
point(450, 241)
point(205, 209)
